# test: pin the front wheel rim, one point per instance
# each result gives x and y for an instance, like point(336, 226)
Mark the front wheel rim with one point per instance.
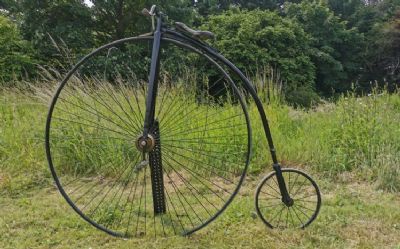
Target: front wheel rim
point(62, 187)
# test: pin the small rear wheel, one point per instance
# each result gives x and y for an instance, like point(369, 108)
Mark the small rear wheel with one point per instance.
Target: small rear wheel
point(302, 189)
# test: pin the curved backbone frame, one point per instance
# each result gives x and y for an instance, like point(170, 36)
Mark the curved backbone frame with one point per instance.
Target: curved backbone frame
point(248, 85)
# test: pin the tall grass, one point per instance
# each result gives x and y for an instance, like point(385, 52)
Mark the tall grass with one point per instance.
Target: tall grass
point(357, 134)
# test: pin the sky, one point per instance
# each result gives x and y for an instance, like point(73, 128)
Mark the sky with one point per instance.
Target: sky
point(88, 3)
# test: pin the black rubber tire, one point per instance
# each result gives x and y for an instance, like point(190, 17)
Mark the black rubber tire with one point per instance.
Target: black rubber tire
point(57, 170)
point(275, 202)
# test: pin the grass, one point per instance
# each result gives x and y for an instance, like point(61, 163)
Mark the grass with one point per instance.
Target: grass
point(352, 149)
point(361, 135)
point(354, 215)
point(356, 134)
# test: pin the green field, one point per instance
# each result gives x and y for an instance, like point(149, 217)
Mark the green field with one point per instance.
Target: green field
point(352, 149)
point(89, 146)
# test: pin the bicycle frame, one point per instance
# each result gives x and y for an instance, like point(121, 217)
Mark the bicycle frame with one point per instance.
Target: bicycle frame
point(153, 80)
point(159, 31)
point(198, 146)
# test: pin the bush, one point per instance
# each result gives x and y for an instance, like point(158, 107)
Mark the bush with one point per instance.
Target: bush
point(302, 97)
point(15, 53)
point(256, 39)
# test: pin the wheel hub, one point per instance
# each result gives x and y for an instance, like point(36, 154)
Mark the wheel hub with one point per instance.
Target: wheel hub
point(145, 144)
point(289, 202)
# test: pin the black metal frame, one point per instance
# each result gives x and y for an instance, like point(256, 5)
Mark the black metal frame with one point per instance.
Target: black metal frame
point(158, 34)
point(153, 80)
point(162, 33)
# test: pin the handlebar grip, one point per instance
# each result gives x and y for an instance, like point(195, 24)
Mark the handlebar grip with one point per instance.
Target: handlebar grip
point(195, 33)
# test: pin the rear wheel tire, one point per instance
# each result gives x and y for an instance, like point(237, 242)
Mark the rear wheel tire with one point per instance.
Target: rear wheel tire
point(302, 189)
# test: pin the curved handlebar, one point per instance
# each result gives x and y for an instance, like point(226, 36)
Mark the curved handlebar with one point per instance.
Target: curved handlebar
point(203, 35)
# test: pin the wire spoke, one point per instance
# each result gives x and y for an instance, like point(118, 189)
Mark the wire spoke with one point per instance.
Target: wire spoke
point(196, 175)
point(203, 127)
point(201, 164)
point(187, 183)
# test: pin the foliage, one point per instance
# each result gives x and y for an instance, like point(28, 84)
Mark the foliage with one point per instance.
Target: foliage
point(335, 50)
point(376, 20)
point(346, 9)
point(383, 56)
point(15, 53)
point(391, 49)
point(123, 18)
point(302, 96)
point(207, 7)
point(60, 21)
point(363, 138)
point(254, 39)
point(334, 42)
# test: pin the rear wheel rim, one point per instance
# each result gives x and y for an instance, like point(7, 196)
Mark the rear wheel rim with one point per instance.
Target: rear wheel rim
point(302, 189)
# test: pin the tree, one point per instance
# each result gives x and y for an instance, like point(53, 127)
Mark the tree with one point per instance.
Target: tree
point(122, 18)
point(391, 49)
point(382, 60)
point(346, 9)
point(256, 39)
point(207, 7)
point(9, 5)
point(336, 50)
point(66, 22)
point(379, 24)
point(15, 53)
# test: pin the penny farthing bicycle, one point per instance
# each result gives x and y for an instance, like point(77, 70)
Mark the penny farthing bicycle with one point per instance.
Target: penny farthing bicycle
point(150, 135)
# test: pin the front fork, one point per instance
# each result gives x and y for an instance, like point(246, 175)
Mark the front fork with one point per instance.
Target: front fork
point(286, 199)
point(153, 81)
point(150, 141)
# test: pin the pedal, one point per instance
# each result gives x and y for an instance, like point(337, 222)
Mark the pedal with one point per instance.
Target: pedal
point(141, 166)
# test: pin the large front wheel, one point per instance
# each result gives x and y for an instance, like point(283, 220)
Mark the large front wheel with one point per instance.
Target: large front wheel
point(201, 139)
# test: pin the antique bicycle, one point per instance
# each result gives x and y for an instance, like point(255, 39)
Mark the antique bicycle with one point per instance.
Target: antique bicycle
point(151, 135)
